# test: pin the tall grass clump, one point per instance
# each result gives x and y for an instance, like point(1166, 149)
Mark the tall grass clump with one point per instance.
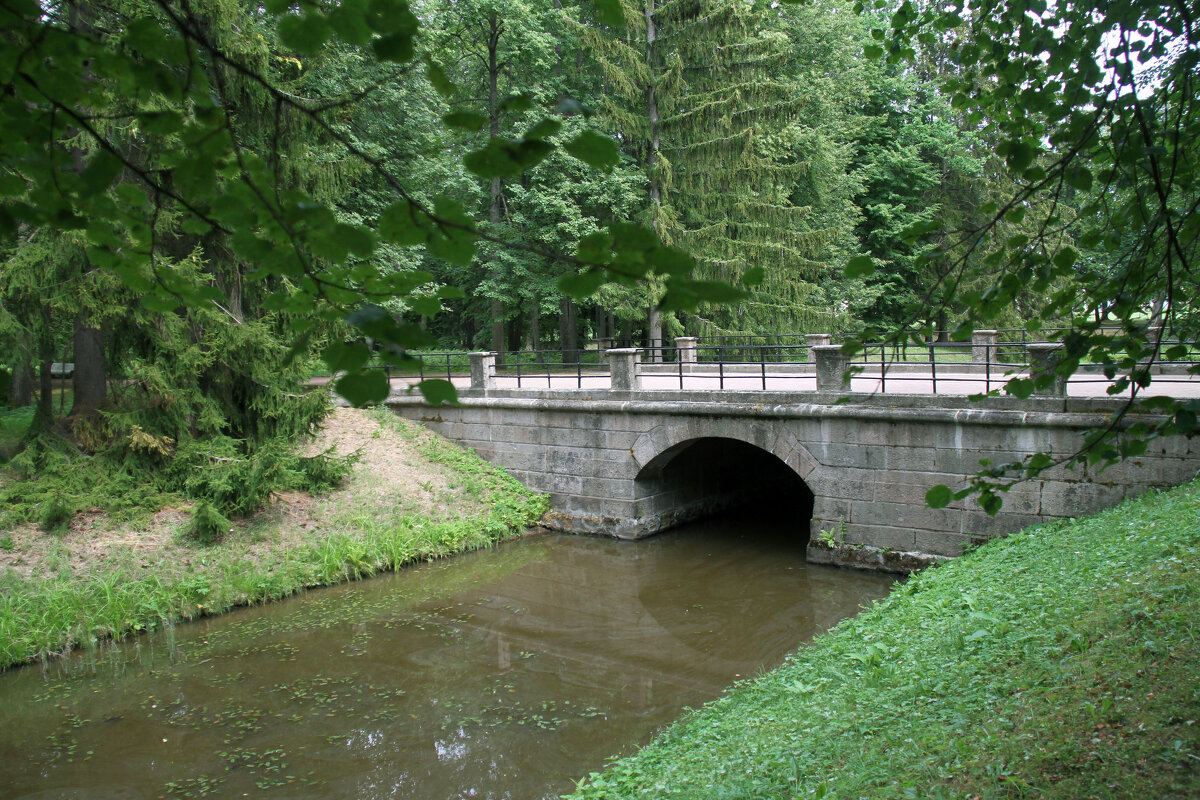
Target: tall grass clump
point(1061, 662)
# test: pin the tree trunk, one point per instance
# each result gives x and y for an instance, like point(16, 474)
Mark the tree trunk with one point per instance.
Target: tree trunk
point(653, 318)
point(44, 414)
point(20, 391)
point(499, 341)
point(535, 325)
point(91, 371)
point(568, 330)
point(654, 325)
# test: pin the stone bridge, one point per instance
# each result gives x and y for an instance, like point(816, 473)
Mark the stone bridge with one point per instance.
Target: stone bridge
point(852, 469)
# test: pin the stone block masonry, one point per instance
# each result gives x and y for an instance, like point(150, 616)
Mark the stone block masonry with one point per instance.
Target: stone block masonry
point(630, 463)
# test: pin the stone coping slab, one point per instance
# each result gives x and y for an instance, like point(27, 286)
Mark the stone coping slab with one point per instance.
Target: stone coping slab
point(1076, 413)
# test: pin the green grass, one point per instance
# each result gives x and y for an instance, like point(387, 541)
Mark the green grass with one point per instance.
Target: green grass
point(48, 614)
point(1061, 662)
point(14, 423)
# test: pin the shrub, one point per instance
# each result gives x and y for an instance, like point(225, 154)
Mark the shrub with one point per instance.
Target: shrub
point(207, 525)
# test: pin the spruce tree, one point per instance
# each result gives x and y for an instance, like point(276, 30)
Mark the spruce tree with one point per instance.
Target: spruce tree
point(700, 93)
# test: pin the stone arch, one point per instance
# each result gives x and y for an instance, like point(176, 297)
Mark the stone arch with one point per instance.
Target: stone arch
point(692, 468)
point(655, 448)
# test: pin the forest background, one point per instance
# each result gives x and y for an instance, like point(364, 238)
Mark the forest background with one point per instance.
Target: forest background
point(201, 199)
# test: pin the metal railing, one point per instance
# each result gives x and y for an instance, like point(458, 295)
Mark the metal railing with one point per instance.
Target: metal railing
point(937, 367)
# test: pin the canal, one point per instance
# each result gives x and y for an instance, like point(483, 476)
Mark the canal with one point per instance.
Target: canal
point(506, 673)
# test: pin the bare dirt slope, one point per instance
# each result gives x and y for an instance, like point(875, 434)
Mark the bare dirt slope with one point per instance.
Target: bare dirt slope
point(392, 477)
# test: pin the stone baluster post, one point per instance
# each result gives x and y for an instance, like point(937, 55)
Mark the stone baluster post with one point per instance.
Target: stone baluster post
point(483, 370)
point(687, 349)
point(1042, 359)
point(832, 365)
point(816, 340)
point(983, 346)
point(623, 364)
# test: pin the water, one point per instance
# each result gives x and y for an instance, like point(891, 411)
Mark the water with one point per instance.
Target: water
point(502, 674)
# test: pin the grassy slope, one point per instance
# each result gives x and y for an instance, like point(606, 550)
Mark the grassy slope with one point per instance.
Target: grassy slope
point(44, 615)
point(1063, 661)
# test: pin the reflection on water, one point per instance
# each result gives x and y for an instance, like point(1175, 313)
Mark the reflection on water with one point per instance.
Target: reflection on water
point(501, 674)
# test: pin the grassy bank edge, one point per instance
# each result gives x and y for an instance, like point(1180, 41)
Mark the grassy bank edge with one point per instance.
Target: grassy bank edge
point(46, 616)
point(1062, 661)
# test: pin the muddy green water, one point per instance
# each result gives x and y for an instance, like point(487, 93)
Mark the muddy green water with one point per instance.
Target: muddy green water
point(501, 674)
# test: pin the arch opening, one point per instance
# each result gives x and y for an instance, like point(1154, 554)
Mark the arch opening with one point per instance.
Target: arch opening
point(708, 476)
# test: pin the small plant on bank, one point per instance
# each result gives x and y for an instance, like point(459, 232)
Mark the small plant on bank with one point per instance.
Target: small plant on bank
point(55, 515)
point(207, 525)
point(834, 537)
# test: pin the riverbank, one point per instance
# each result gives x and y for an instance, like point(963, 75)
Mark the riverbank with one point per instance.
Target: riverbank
point(1061, 662)
point(412, 496)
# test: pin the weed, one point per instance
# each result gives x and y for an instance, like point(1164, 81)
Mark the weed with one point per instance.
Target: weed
point(834, 537)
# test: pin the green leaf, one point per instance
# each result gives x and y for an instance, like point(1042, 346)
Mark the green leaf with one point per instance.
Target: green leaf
point(395, 47)
point(1020, 155)
point(595, 248)
point(439, 79)
point(753, 276)
point(872, 52)
point(1078, 176)
point(569, 105)
point(437, 392)
point(305, 34)
point(160, 301)
point(160, 123)
point(1039, 462)
point(1066, 257)
point(582, 285)
point(346, 356)
point(465, 120)
point(531, 152)
point(595, 150)
point(453, 245)
point(403, 224)
point(358, 240)
point(349, 22)
point(939, 496)
point(918, 229)
point(684, 294)
point(11, 184)
point(363, 388)
point(860, 267)
point(426, 306)
point(494, 160)
point(544, 129)
point(1019, 387)
point(101, 171)
point(990, 502)
point(391, 16)
point(453, 239)
point(672, 261)
point(516, 103)
point(609, 12)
